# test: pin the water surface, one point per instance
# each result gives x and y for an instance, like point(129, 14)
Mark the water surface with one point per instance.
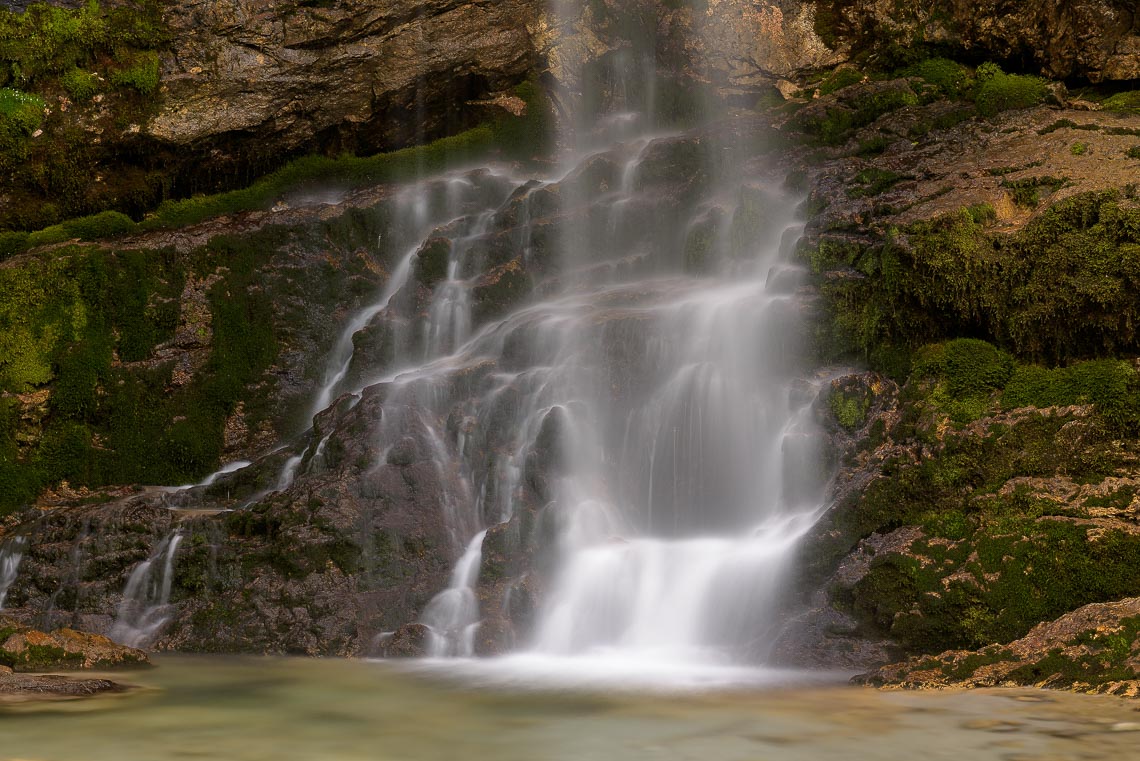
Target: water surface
point(278, 709)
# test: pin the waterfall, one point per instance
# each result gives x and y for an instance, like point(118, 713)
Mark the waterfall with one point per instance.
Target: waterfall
point(660, 417)
point(11, 553)
point(600, 371)
point(145, 608)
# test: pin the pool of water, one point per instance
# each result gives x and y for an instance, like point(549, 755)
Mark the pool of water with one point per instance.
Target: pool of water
point(280, 709)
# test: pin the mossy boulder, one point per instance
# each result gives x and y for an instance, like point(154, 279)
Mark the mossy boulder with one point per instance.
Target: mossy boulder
point(26, 649)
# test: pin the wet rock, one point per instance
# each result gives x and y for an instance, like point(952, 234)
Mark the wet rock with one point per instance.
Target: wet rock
point(403, 452)
point(23, 649)
point(20, 688)
point(431, 262)
point(409, 641)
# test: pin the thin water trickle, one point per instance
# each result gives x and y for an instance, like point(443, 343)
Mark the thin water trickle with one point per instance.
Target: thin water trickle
point(453, 616)
point(145, 608)
point(11, 553)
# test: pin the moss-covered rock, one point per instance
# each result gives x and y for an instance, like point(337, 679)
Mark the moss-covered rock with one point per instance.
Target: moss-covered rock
point(1093, 649)
point(26, 649)
point(1057, 290)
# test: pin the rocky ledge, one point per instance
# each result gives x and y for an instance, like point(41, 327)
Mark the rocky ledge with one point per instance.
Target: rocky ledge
point(1095, 648)
point(24, 649)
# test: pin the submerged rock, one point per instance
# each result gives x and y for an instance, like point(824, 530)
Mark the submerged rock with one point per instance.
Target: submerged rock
point(20, 688)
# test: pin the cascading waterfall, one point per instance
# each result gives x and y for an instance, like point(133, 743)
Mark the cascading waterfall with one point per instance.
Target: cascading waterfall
point(145, 608)
point(655, 408)
point(11, 553)
point(645, 408)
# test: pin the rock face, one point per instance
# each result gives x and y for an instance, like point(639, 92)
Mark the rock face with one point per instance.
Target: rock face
point(736, 49)
point(1098, 40)
point(249, 80)
point(985, 496)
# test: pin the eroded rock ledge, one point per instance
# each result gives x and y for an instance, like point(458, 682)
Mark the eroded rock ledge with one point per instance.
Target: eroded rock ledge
point(1095, 648)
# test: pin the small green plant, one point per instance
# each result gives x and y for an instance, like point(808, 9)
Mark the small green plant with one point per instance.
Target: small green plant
point(21, 113)
point(80, 85)
point(998, 91)
point(951, 78)
point(839, 79)
point(141, 75)
point(1079, 149)
point(1133, 152)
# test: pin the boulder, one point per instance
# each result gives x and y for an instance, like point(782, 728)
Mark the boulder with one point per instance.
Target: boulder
point(24, 649)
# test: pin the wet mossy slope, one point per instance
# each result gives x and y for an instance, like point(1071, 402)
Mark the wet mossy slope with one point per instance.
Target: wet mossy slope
point(990, 478)
point(122, 366)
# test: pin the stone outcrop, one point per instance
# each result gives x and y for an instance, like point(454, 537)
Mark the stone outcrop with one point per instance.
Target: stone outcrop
point(1097, 40)
point(1095, 648)
point(253, 75)
point(23, 649)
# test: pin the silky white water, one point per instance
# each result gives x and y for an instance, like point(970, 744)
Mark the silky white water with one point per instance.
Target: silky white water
point(11, 553)
point(661, 416)
point(145, 607)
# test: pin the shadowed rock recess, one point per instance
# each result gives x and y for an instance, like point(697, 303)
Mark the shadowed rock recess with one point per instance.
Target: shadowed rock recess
point(962, 271)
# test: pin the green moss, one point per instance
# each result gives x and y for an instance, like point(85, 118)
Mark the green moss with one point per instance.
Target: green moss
point(873, 181)
point(1027, 192)
point(951, 79)
point(1133, 152)
point(1079, 149)
point(834, 124)
point(80, 85)
point(872, 146)
point(141, 75)
point(74, 311)
point(48, 52)
point(971, 366)
point(1059, 124)
point(1055, 291)
point(840, 78)
point(40, 658)
point(1123, 103)
point(1036, 573)
point(997, 91)
point(47, 40)
point(21, 112)
point(850, 406)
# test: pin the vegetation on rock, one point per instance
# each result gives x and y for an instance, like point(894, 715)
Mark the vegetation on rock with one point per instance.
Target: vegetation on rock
point(1061, 289)
point(55, 63)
